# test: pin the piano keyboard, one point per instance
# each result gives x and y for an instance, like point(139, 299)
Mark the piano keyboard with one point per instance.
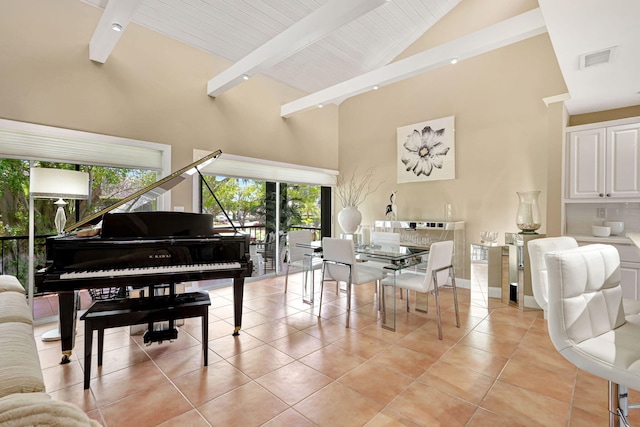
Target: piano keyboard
point(150, 270)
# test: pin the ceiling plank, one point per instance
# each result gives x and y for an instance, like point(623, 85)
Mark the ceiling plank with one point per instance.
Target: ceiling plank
point(104, 38)
point(305, 32)
point(504, 33)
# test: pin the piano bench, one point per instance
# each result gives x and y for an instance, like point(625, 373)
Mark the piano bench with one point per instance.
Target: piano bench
point(125, 312)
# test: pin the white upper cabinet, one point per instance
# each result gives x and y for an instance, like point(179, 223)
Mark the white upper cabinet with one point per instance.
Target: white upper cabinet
point(623, 161)
point(603, 163)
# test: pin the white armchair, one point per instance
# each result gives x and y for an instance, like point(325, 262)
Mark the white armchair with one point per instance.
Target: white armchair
point(340, 265)
point(439, 272)
point(587, 324)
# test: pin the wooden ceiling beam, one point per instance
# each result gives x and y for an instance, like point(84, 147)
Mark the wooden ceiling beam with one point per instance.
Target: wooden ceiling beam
point(521, 27)
point(303, 33)
point(105, 38)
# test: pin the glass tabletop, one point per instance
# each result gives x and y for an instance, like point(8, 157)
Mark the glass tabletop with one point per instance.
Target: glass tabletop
point(386, 252)
point(316, 245)
point(391, 252)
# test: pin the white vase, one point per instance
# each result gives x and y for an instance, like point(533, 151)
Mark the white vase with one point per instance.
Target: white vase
point(349, 219)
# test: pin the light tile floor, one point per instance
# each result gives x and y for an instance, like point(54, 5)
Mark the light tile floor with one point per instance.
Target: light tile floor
point(289, 368)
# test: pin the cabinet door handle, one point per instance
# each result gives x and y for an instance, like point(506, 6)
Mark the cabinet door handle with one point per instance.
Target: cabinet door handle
point(608, 195)
point(600, 195)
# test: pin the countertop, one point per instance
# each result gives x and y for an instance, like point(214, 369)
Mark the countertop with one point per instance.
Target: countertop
point(635, 238)
point(620, 240)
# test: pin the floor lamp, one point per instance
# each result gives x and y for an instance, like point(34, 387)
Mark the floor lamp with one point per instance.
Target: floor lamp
point(52, 184)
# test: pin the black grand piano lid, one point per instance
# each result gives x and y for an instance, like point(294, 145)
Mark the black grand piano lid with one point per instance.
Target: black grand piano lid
point(140, 198)
point(157, 224)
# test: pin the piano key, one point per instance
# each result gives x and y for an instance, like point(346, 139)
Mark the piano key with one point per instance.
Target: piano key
point(74, 275)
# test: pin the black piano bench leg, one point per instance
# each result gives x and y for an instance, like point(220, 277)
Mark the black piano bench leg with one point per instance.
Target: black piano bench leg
point(88, 343)
point(205, 336)
point(100, 345)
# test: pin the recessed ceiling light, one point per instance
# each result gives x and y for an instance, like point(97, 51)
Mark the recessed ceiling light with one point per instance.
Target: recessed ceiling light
point(320, 105)
point(376, 87)
point(116, 27)
point(454, 60)
point(245, 77)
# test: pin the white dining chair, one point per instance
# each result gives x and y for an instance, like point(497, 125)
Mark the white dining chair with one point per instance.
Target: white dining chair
point(386, 240)
point(298, 254)
point(439, 271)
point(587, 324)
point(339, 264)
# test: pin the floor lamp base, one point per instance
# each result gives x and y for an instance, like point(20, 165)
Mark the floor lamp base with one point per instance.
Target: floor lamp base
point(52, 335)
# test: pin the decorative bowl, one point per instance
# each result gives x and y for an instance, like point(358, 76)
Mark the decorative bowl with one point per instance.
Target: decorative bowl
point(488, 236)
point(616, 226)
point(600, 231)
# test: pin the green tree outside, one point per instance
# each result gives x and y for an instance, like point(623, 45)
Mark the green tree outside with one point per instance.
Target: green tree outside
point(107, 186)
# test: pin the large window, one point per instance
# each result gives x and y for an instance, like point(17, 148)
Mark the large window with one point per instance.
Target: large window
point(250, 205)
point(117, 166)
point(108, 185)
point(278, 196)
point(264, 210)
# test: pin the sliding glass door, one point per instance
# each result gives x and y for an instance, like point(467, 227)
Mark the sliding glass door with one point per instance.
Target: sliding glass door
point(267, 210)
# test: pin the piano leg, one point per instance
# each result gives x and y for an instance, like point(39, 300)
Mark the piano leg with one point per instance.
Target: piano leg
point(67, 302)
point(238, 293)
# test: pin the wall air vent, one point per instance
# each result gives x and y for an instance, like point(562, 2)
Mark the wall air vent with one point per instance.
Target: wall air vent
point(595, 58)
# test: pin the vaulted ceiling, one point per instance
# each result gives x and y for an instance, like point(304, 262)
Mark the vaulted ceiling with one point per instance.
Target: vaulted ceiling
point(334, 49)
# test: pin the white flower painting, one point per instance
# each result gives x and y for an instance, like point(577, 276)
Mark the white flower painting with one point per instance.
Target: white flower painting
point(426, 151)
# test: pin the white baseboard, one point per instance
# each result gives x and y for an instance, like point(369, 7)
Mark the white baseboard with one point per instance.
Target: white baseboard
point(463, 283)
point(530, 302)
point(495, 292)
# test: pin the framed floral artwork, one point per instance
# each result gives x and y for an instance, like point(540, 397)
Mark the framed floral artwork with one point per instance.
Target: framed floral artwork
point(426, 151)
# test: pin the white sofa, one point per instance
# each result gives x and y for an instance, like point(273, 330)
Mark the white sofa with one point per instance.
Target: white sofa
point(23, 400)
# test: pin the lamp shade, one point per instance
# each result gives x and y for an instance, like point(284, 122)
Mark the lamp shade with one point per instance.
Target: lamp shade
point(58, 183)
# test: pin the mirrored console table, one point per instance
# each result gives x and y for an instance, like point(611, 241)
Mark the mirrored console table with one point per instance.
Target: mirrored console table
point(486, 273)
point(516, 288)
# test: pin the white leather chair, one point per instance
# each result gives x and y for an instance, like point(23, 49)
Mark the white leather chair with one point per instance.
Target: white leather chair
point(297, 254)
point(439, 271)
point(537, 250)
point(339, 264)
point(587, 324)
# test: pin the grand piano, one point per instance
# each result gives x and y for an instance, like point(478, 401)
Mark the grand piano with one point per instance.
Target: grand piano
point(142, 248)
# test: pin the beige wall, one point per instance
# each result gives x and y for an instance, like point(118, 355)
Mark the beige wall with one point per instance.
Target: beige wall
point(502, 131)
point(558, 118)
point(603, 116)
point(151, 88)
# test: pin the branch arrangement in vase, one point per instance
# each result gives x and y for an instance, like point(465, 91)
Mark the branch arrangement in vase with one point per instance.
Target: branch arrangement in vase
point(354, 191)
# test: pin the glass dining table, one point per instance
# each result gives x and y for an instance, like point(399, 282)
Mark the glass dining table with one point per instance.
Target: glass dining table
point(398, 257)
